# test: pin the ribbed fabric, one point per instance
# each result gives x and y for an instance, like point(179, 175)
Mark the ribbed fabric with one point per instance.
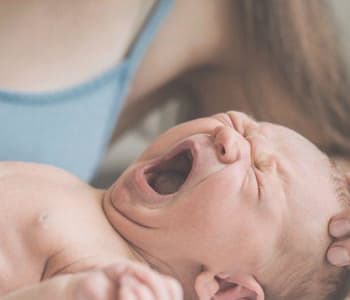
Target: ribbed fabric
point(71, 128)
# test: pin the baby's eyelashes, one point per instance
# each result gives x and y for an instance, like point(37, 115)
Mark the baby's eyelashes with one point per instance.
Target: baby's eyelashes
point(263, 154)
point(265, 162)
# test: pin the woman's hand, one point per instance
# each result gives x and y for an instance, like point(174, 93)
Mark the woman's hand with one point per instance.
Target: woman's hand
point(339, 228)
point(122, 281)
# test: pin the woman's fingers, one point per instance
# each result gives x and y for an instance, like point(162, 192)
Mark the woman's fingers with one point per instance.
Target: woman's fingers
point(339, 254)
point(339, 226)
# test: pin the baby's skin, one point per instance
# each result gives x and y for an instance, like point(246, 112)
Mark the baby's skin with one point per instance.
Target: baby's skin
point(53, 224)
point(206, 205)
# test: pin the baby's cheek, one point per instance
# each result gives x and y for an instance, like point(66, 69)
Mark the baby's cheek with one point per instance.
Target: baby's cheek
point(273, 208)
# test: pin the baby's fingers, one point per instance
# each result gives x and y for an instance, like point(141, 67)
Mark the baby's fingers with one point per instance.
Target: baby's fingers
point(132, 289)
point(141, 273)
point(158, 285)
point(143, 282)
point(174, 289)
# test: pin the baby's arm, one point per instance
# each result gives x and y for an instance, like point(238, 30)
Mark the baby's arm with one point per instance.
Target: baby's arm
point(123, 281)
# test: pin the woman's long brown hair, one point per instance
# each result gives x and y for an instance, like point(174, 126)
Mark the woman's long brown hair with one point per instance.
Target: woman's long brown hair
point(299, 37)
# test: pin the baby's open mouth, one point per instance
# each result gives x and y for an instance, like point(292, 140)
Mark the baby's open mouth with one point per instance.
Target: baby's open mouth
point(170, 173)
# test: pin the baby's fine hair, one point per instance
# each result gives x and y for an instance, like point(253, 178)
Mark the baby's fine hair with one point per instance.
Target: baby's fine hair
point(310, 280)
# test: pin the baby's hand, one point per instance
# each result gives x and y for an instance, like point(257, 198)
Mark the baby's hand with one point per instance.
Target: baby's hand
point(128, 281)
point(123, 281)
point(339, 228)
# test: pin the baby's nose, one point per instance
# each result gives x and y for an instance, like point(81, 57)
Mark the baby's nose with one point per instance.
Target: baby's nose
point(227, 143)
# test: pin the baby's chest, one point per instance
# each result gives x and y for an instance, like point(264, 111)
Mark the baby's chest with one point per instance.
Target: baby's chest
point(79, 258)
point(79, 248)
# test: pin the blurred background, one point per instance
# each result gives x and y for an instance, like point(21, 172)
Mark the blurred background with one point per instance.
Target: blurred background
point(171, 112)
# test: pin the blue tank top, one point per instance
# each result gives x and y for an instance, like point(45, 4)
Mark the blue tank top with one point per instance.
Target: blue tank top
point(71, 128)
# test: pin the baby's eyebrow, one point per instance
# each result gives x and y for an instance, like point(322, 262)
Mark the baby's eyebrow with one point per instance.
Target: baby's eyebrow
point(235, 120)
point(252, 118)
point(224, 118)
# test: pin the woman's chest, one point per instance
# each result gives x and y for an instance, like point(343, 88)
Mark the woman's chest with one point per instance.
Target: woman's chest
point(49, 45)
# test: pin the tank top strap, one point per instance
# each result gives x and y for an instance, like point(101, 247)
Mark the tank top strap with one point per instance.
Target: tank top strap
point(149, 29)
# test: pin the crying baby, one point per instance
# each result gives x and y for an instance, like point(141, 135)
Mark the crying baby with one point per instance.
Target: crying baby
point(228, 207)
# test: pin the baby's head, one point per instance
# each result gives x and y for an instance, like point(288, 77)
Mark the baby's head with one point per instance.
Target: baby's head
point(233, 208)
point(304, 272)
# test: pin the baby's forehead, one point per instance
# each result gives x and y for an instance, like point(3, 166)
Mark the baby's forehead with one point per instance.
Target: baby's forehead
point(297, 148)
point(314, 200)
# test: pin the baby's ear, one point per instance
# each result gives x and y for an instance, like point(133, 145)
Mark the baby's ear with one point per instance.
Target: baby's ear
point(244, 287)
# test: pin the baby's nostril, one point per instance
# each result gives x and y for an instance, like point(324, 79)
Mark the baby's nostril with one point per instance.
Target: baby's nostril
point(220, 149)
point(223, 151)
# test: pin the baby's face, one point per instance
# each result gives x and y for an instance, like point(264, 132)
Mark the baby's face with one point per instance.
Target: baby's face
point(221, 193)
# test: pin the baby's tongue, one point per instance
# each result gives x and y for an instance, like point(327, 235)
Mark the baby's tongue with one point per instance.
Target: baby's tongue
point(168, 182)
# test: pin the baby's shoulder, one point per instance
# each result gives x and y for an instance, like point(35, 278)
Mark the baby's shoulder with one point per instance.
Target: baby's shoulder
point(15, 172)
point(30, 192)
point(39, 205)
point(55, 220)
point(30, 196)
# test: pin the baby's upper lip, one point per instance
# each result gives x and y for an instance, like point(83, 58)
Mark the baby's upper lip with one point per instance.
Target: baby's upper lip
point(185, 145)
